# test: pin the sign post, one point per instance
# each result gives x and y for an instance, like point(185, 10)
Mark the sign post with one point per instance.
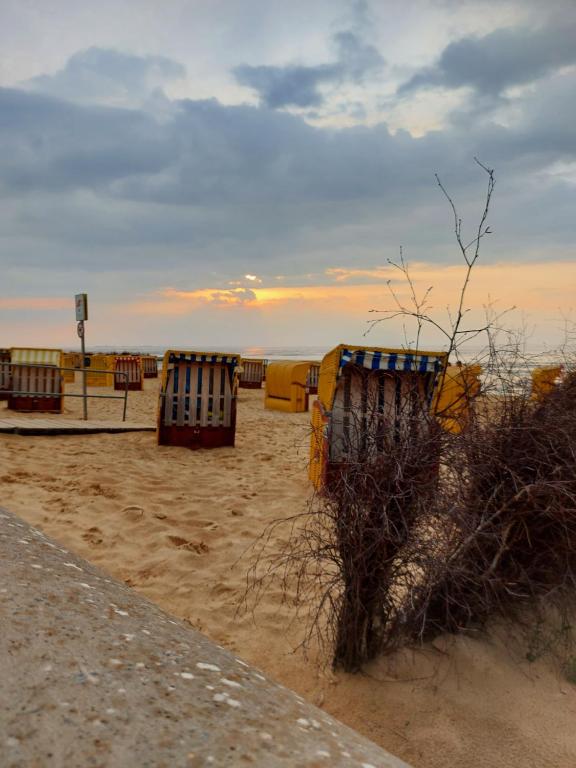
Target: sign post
point(81, 300)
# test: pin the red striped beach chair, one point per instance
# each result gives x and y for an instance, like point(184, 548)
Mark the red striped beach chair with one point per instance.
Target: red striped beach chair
point(198, 399)
point(132, 365)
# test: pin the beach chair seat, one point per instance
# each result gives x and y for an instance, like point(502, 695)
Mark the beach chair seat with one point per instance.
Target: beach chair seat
point(286, 388)
point(36, 381)
point(197, 406)
point(367, 397)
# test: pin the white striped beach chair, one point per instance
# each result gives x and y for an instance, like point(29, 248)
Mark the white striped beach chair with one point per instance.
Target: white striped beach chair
point(198, 399)
point(37, 383)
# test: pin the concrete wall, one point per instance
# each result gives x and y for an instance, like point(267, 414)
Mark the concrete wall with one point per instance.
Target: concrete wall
point(92, 674)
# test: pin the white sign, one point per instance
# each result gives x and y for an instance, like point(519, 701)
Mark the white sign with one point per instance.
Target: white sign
point(81, 306)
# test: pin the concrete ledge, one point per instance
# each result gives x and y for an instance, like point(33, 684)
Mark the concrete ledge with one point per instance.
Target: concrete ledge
point(92, 674)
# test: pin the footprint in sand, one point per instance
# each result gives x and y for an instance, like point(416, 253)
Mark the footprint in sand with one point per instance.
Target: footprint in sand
point(93, 536)
point(199, 547)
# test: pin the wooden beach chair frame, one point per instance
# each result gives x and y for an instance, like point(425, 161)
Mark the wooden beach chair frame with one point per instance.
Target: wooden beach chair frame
point(197, 407)
point(149, 366)
point(392, 376)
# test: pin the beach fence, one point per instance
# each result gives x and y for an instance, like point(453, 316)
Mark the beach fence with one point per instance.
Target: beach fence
point(197, 406)
point(286, 386)
point(149, 366)
point(454, 400)
point(544, 379)
point(5, 377)
point(131, 365)
point(36, 382)
point(252, 373)
point(366, 395)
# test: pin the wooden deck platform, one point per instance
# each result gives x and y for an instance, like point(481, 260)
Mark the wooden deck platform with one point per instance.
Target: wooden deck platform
point(59, 426)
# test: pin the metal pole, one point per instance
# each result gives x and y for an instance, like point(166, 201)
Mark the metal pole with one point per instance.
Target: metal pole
point(83, 349)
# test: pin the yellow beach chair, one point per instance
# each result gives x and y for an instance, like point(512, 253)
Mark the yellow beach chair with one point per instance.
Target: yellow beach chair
point(459, 387)
point(286, 386)
point(544, 380)
point(68, 360)
point(252, 373)
point(363, 393)
point(100, 372)
point(36, 388)
point(197, 406)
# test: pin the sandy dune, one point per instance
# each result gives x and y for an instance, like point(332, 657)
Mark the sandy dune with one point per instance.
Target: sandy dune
point(173, 524)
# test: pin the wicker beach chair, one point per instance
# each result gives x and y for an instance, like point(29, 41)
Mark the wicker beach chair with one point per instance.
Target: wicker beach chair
point(252, 373)
point(286, 386)
point(36, 382)
point(364, 393)
point(131, 365)
point(150, 366)
point(460, 386)
point(197, 406)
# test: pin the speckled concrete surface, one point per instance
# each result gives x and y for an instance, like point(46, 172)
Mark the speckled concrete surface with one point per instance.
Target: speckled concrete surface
point(92, 674)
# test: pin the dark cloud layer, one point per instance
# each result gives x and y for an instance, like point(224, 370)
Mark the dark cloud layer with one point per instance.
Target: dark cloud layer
point(225, 188)
point(503, 58)
point(300, 86)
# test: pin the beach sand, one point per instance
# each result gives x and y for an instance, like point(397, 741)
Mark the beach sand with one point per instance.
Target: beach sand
point(174, 524)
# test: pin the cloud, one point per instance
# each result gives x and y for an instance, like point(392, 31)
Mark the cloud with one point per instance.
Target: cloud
point(504, 58)
point(300, 86)
point(218, 191)
point(104, 76)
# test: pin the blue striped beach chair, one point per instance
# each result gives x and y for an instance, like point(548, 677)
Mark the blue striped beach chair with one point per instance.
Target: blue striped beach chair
point(198, 399)
point(366, 396)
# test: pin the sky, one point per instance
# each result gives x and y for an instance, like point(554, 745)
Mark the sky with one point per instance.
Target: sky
point(225, 173)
